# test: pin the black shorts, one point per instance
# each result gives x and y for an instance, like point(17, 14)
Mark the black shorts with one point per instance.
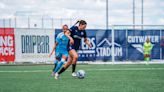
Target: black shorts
point(72, 47)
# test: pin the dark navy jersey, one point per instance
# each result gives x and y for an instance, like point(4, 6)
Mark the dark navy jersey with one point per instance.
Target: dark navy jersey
point(77, 35)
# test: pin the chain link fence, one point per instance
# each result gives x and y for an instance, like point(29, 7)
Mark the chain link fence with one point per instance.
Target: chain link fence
point(34, 22)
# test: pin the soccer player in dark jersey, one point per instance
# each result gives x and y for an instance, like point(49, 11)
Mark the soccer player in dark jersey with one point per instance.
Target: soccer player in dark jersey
point(77, 33)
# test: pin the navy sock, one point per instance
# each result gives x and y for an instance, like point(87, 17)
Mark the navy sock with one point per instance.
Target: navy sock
point(62, 70)
point(73, 67)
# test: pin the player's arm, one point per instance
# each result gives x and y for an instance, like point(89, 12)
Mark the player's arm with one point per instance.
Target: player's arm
point(87, 42)
point(58, 39)
point(68, 33)
point(54, 48)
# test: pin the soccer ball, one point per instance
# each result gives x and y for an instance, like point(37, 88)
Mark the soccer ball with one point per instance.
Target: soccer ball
point(80, 74)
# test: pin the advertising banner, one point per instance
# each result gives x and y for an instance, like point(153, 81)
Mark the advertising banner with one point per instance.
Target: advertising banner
point(101, 45)
point(162, 44)
point(136, 39)
point(34, 45)
point(128, 45)
point(7, 45)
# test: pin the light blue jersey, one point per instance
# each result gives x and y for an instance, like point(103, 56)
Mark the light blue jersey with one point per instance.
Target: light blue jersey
point(61, 48)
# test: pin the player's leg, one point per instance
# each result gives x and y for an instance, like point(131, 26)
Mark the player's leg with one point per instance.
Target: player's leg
point(74, 56)
point(69, 62)
point(55, 64)
point(58, 58)
point(59, 65)
point(147, 57)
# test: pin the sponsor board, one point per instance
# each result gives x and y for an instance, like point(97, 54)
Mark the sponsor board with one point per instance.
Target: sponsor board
point(136, 39)
point(33, 44)
point(128, 45)
point(7, 45)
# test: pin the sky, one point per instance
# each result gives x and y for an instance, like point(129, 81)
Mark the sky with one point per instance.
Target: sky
point(93, 11)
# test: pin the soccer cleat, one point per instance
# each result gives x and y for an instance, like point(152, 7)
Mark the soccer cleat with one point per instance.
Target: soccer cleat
point(52, 74)
point(74, 74)
point(147, 63)
point(56, 76)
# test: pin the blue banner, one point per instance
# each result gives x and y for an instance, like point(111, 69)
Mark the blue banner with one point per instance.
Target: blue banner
point(128, 44)
point(101, 50)
point(120, 45)
point(136, 39)
point(162, 44)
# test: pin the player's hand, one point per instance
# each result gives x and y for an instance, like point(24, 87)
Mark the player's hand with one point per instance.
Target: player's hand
point(71, 42)
point(90, 45)
point(50, 55)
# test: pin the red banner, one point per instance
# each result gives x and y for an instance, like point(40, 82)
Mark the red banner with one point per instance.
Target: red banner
point(7, 45)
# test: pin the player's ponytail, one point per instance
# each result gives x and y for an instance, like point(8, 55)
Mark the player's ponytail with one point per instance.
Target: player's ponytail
point(77, 22)
point(81, 22)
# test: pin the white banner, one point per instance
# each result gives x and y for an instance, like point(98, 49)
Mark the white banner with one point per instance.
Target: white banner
point(34, 45)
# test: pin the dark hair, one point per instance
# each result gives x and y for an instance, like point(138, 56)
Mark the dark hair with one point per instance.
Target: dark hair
point(65, 25)
point(82, 22)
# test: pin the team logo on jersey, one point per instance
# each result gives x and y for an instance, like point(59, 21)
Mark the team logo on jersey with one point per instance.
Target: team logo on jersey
point(70, 47)
point(82, 33)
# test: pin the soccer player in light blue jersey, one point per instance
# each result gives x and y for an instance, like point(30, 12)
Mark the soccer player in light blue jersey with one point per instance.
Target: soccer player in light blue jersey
point(63, 39)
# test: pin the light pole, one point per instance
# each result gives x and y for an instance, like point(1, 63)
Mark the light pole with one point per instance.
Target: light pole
point(133, 14)
point(107, 15)
point(142, 16)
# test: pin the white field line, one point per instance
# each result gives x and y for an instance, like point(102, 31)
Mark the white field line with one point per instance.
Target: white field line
point(127, 69)
point(123, 69)
point(25, 71)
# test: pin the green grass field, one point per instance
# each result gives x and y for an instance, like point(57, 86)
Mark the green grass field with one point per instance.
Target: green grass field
point(99, 78)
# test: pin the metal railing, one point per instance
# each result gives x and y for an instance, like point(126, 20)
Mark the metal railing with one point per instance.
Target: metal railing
point(27, 22)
